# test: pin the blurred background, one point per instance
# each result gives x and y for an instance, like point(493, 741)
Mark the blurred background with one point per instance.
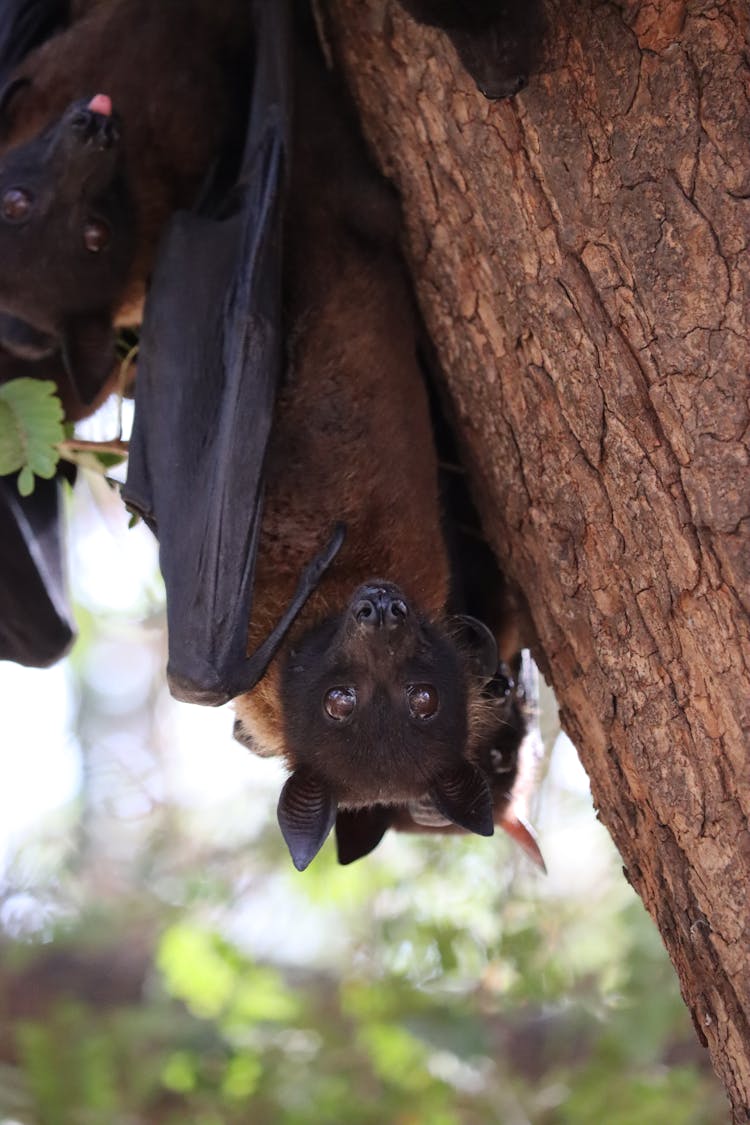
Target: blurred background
point(162, 961)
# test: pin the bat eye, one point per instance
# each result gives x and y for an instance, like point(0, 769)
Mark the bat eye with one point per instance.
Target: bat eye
point(95, 236)
point(423, 701)
point(339, 703)
point(16, 205)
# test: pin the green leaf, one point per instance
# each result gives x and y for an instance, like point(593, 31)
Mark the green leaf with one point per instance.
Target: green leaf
point(241, 1077)
point(195, 971)
point(26, 481)
point(31, 427)
point(179, 1072)
point(110, 460)
point(11, 447)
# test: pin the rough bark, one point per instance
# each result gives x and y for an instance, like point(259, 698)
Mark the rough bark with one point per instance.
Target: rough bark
point(579, 254)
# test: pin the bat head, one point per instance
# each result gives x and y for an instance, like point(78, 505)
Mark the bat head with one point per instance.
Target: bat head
point(67, 236)
point(497, 42)
point(376, 714)
point(505, 756)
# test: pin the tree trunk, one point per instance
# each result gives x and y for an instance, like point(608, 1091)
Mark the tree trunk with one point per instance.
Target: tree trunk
point(579, 254)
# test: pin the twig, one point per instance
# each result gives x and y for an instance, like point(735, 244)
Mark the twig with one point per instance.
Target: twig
point(79, 445)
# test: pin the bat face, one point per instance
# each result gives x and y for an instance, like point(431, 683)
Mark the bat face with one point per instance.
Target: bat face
point(66, 237)
point(505, 756)
point(375, 700)
point(375, 705)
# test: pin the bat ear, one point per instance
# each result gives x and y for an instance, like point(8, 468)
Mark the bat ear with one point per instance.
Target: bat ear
point(88, 353)
point(480, 644)
point(359, 831)
point(306, 812)
point(23, 341)
point(8, 95)
point(464, 797)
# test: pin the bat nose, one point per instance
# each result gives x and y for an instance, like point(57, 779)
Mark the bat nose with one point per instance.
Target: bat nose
point(379, 608)
point(94, 128)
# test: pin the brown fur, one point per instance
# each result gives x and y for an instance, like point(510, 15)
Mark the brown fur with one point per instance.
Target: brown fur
point(354, 390)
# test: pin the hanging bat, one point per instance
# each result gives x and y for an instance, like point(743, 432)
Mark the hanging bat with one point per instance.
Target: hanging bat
point(85, 188)
point(318, 520)
point(496, 40)
point(105, 129)
point(508, 746)
point(36, 621)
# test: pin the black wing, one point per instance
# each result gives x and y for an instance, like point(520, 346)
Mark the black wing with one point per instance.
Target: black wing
point(209, 367)
point(36, 623)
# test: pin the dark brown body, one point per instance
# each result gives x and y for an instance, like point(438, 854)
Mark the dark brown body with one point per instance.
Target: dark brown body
point(352, 440)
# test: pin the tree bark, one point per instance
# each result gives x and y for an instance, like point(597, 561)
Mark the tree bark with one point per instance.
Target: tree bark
point(580, 257)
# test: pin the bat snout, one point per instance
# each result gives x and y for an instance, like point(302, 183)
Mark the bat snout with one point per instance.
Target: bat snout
point(93, 129)
point(379, 607)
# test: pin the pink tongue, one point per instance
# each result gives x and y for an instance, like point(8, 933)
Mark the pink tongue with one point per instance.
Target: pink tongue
point(101, 103)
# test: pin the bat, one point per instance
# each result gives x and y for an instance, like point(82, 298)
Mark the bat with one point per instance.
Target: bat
point(105, 129)
point(283, 453)
point(508, 746)
point(36, 621)
point(496, 40)
point(85, 187)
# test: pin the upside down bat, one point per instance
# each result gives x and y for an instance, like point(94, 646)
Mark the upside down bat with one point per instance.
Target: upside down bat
point(36, 620)
point(322, 530)
point(105, 129)
point(84, 191)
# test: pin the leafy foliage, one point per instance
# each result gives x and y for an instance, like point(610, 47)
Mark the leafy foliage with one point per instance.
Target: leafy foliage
point(209, 1034)
point(31, 428)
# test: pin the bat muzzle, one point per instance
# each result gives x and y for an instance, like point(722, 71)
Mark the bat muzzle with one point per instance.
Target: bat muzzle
point(380, 607)
point(94, 130)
